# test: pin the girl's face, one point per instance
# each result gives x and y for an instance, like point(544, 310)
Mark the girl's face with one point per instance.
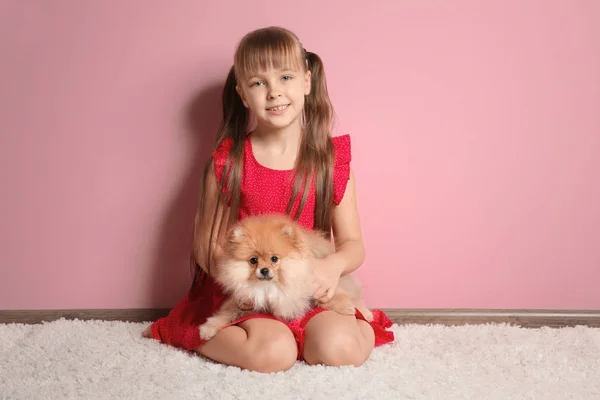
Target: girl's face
point(275, 96)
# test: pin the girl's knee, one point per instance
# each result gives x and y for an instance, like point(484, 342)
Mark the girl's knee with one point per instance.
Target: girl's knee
point(260, 345)
point(336, 350)
point(272, 354)
point(349, 345)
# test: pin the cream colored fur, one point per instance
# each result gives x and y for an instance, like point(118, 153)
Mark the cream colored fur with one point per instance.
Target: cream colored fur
point(288, 294)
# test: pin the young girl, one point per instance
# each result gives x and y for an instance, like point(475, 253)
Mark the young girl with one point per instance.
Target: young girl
point(283, 87)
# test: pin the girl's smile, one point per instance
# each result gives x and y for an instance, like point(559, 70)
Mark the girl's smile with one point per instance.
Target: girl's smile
point(278, 110)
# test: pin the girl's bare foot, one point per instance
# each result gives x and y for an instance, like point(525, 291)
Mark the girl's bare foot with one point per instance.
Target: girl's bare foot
point(147, 332)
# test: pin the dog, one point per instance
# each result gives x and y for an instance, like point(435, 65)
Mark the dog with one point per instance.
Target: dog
point(265, 261)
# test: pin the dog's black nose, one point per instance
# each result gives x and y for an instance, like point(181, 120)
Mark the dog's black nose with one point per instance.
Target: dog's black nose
point(264, 271)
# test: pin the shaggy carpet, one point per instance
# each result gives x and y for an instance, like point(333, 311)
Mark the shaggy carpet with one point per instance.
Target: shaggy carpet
point(110, 360)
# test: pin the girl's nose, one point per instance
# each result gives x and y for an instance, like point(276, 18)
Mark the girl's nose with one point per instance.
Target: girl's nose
point(274, 92)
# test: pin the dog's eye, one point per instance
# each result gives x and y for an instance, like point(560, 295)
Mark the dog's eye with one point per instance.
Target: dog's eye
point(254, 260)
point(274, 259)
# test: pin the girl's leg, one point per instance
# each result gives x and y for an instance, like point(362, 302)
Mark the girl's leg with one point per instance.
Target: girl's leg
point(258, 344)
point(334, 339)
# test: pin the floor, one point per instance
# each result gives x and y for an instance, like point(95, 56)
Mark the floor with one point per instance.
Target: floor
point(109, 360)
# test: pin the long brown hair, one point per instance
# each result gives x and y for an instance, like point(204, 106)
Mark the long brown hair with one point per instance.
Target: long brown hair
point(272, 47)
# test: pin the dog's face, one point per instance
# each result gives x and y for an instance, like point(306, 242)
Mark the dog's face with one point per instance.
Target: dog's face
point(260, 249)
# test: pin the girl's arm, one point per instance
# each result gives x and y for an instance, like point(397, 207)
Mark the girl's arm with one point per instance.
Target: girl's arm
point(350, 251)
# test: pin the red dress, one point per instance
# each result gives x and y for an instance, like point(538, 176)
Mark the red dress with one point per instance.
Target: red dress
point(264, 190)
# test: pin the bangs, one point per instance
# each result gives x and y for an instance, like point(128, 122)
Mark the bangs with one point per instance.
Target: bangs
point(268, 49)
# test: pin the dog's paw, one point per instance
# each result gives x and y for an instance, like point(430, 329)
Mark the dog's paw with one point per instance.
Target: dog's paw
point(344, 309)
point(208, 330)
point(340, 306)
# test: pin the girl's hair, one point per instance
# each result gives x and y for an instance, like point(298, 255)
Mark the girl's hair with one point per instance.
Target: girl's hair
point(273, 47)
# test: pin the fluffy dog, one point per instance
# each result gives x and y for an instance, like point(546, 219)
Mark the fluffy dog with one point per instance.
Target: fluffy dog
point(265, 262)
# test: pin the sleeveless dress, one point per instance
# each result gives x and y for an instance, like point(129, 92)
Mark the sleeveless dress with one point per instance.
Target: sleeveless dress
point(264, 190)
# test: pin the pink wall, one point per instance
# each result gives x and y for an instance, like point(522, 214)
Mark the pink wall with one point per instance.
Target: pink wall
point(483, 119)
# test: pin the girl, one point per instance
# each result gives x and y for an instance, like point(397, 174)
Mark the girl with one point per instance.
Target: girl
point(283, 87)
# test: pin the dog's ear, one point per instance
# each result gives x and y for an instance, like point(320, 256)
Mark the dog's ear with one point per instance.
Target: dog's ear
point(236, 233)
point(291, 231)
point(287, 229)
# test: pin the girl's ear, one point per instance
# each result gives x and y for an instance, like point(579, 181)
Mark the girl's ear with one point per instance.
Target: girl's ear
point(307, 83)
point(241, 93)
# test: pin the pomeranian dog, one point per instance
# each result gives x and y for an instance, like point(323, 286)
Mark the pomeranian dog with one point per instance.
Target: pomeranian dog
point(265, 262)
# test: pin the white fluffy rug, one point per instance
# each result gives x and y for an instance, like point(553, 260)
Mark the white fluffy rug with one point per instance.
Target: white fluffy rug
point(109, 360)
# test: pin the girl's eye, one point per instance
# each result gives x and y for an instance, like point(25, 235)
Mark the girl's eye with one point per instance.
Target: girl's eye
point(254, 260)
point(274, 259)
point(287, 78)
point(258, 83)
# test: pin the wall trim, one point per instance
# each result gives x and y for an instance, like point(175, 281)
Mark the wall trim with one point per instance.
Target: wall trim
point(39, 316)
point(528, 318)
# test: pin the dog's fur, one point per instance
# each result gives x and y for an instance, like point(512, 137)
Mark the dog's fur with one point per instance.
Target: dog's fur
point(265, 262)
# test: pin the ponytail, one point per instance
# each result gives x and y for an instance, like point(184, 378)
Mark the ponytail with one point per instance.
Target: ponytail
point(218, 216)
point(318, 105)
point(316, 150)
point(234, 126)
point(235, 114)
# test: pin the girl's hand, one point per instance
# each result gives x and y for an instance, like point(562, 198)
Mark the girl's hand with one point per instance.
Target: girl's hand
point(326, 276)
